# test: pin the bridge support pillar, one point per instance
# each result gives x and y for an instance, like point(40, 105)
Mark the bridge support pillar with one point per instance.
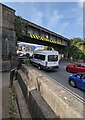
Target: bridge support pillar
point(8, 38)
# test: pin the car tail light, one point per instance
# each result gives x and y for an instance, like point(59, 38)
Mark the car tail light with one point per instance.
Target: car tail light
point(46, 63)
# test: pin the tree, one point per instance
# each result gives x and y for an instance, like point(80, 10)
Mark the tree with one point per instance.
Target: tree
point(20, 27)
point(76, 48)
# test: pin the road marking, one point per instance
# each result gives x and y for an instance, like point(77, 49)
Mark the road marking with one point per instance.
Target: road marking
point(66, 89)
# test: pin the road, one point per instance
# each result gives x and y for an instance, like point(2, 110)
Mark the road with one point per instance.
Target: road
point(61, 76)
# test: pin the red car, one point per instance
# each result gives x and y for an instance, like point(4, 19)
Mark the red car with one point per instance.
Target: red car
point(78, 67)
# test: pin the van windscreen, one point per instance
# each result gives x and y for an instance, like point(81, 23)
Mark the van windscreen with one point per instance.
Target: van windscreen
point(52, 58)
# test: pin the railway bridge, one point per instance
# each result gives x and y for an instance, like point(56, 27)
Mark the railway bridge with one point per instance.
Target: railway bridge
point(31, 33)
point(36, 34)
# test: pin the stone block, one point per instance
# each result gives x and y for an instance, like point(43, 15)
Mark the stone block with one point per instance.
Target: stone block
point(62, 102)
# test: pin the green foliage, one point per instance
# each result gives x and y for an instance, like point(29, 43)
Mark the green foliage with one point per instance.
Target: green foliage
point(76, 48)
point(20, 27)
point(26, 62)
point(12, 98)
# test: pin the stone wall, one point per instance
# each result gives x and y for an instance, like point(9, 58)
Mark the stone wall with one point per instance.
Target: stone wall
point(62, 102)
point(0, 36)
point(37, 106)
point(7, 38)
point(8, 33)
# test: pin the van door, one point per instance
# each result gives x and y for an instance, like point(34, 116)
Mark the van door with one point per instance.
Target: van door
point(34, 59)
point(38, 59)
point(52, 60)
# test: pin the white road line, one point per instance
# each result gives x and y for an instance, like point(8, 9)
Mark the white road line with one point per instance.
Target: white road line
point(66, 89)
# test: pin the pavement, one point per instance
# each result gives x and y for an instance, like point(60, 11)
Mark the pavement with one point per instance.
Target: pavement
point(0, 95)
point(4, 99)
point(4, 94)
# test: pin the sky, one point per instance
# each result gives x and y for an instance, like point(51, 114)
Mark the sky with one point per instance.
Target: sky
point(64, 18)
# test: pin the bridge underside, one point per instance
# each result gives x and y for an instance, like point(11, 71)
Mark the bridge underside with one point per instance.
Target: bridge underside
point(57, 47)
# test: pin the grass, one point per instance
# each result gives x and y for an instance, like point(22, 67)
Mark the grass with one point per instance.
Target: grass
point(12, 98)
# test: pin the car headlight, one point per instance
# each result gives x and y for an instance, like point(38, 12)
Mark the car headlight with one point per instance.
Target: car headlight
point(71, 75)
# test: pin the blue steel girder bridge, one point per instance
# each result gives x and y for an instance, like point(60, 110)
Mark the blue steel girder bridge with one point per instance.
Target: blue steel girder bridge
point(36, 34)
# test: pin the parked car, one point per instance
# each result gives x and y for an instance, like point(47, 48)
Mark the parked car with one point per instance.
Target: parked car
point(78, 67)
point(77, 80)
point(45, 59)
point(23, 54)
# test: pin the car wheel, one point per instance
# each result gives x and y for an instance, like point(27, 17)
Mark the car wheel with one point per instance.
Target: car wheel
point(39, 67)
point(72, 83)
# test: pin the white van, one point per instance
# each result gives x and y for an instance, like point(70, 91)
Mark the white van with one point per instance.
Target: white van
point(45, 59)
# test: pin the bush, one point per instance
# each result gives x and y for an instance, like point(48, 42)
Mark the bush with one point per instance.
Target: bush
point(26, 62)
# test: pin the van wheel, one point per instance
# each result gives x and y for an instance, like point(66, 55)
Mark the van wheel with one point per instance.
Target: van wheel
point(31, 63)
point(39, 67)
point(72, 83)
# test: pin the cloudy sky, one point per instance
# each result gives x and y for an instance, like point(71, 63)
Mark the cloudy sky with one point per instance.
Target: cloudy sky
point(65, 18)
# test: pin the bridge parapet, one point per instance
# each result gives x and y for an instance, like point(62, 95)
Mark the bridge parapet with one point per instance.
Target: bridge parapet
point(62, 102)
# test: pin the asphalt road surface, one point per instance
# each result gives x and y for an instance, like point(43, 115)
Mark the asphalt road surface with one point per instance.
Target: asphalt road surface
point(61, 76)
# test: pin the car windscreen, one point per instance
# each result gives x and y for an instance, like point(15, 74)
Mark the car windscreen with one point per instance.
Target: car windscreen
point(80, 65)
point(83, 76)
point(52, 58)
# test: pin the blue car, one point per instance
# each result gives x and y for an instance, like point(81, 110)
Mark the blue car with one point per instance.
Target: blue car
point(78, 80)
